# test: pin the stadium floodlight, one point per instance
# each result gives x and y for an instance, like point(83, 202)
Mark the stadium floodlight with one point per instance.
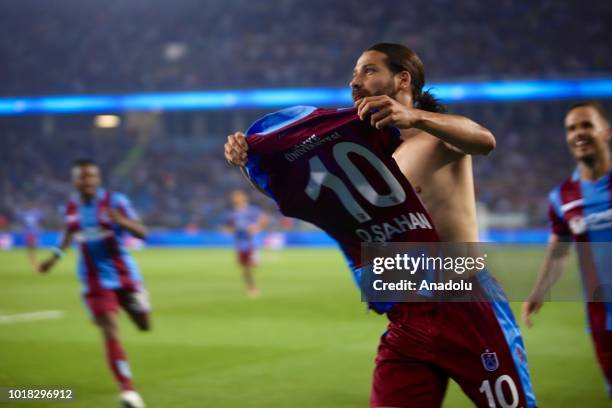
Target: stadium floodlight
point(107, 121)
point(449, 92)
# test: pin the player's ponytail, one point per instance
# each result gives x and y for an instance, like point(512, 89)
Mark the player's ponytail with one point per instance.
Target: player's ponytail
point(401, 58)
point(426, 101)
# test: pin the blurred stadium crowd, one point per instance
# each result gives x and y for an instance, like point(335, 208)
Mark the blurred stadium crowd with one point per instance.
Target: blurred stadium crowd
point(175, 174)
point(149, 45)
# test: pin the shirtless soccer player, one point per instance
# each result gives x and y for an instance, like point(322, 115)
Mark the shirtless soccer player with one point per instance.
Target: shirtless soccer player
point(428, 343)
point(99, 219)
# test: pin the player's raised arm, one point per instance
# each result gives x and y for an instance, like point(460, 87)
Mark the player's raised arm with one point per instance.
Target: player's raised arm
point(554, 263)
point(58, 252)
point(133, 225)
point(458, 132)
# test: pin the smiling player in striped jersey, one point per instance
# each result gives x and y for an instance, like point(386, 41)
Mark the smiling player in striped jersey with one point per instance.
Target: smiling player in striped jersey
point(581, 211)
point(99, 219)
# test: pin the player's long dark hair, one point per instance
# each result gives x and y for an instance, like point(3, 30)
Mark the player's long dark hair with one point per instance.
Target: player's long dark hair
point(401, 58)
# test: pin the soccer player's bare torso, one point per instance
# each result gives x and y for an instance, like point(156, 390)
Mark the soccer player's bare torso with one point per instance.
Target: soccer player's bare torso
point(443, 178)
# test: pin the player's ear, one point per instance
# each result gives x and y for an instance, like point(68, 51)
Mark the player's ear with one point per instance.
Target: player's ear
point(404, 81)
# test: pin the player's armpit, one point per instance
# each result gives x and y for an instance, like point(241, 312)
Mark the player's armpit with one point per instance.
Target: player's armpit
point(454, 149)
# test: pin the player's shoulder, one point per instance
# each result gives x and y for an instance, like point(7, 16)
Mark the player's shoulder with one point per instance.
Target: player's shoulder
point(72, 201)
point(118, 198)
point(554, 195)
point(572, 179)
point(70, 207)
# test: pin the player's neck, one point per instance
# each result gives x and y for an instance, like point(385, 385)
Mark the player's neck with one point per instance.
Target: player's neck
point(86, 198)
point(595, 169)
point(405, 98)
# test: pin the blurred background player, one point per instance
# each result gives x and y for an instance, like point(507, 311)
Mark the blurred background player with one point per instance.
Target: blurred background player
point(245, 220)
point(581, 211)
point(99, 219)
point(31, 218)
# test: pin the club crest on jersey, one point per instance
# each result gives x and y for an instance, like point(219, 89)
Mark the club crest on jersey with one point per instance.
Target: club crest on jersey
point(490, 361)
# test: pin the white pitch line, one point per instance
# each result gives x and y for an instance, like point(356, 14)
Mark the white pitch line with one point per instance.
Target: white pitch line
point(31, 316)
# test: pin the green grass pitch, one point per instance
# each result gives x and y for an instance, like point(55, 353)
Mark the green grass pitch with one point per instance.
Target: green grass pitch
point(307, 342)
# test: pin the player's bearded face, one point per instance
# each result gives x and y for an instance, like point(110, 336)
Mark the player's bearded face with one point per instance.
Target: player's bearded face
point(372, 77)
point(587, 133)
point(86, 180)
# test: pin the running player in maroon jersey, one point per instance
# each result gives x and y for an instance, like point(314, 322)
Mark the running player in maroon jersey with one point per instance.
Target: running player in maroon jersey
point(99, 220)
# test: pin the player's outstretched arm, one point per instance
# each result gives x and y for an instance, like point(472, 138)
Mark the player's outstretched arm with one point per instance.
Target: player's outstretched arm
point(260, 224)
point(554, 263)
point(236, 152)
point(262, 221)
point(458, 132)
point(58, 252)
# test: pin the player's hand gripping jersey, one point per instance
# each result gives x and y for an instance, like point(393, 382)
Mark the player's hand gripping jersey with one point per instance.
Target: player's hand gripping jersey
point(329, 168)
